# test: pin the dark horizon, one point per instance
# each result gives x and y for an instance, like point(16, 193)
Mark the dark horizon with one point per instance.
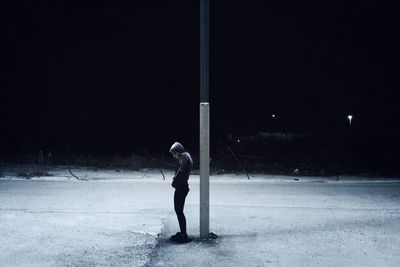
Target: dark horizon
point(124, 77)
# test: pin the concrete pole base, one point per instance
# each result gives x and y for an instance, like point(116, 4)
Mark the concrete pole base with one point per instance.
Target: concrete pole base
point(204, 170)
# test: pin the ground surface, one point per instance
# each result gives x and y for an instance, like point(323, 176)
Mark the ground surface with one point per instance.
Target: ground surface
point(125, 219)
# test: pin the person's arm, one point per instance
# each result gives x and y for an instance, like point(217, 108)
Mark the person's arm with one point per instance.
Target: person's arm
point(179, 177)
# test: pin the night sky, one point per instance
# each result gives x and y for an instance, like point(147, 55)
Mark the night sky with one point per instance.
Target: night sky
point(110, 76)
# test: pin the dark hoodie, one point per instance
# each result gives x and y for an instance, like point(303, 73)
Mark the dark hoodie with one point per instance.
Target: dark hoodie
point(180, 180)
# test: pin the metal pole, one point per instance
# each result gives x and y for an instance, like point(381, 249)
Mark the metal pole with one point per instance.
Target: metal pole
point(204, 47)
point(204, 121)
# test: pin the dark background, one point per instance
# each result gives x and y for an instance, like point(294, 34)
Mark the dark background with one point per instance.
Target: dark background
point(118, 77)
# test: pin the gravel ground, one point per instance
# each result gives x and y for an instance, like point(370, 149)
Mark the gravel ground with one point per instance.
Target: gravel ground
point(124, 219)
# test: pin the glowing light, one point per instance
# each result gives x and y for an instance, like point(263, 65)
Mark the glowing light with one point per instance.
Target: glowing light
point(273, 115)
point(350, 117)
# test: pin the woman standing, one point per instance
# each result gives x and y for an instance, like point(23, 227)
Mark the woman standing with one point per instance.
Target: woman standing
point(180, 183)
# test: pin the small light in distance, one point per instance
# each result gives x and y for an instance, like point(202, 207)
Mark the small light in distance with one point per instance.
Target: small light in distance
point(238, 141)
point(350, 117)
point(273, 116)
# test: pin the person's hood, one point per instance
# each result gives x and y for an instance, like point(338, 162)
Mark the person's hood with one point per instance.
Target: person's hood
point(177, 148)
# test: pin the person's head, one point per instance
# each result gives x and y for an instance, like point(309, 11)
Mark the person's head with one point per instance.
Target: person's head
point(176, 155)
point(176, 150)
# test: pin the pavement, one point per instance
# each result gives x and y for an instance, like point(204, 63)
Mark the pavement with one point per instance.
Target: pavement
point(125, 219)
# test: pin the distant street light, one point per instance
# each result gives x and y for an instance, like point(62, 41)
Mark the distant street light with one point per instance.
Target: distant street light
point(350, 117)
point(273, 116)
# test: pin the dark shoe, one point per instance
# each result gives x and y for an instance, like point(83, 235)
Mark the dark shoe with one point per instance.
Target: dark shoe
point(175, 237)
point(182, 238)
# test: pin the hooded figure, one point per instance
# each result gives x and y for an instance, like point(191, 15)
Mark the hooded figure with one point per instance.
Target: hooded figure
point(180, 180)
point(180, 183)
